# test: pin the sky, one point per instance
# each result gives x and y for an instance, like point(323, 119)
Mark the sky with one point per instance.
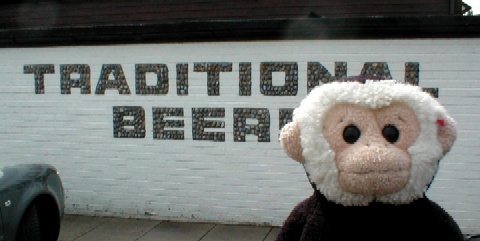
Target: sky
point(475, 4)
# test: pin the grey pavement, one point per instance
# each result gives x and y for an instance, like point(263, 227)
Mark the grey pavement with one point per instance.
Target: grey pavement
point(86, 228)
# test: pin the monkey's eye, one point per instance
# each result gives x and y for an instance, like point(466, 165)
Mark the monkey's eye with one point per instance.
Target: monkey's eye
point(391, 133)
point(351, 134)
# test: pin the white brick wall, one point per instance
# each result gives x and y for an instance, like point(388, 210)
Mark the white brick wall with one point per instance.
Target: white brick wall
point(215, 181)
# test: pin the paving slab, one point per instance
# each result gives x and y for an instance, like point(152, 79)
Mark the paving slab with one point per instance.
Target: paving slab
point(119, 229)
point(168, 231)
point(273, 234)
point(86, 228)
point(236, 233)
point(74, 227)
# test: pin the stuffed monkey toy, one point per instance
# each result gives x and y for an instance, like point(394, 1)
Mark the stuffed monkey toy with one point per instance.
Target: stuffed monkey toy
point(370, 151)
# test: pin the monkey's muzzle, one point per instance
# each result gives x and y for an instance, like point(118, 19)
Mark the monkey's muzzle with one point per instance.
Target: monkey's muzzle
point(374, 170)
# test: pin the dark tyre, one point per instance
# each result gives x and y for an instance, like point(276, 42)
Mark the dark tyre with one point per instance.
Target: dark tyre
point(474, 238)
point(29, 229)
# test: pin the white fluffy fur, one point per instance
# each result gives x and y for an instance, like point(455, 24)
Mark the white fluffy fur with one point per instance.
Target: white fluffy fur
point(319, 157)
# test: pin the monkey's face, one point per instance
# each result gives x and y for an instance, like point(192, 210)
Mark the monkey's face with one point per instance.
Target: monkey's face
point(378, 141)
point(371, 146)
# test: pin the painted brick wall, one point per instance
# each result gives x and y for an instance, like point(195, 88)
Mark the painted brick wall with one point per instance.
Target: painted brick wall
point(203, 180)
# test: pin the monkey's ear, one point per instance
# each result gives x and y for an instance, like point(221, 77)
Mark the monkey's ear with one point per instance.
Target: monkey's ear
point(290, 141)
point(447, 133)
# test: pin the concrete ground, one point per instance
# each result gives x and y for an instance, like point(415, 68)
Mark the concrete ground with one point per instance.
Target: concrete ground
point(84, 228)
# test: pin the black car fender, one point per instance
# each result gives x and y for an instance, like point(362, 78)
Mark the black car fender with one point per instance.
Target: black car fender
point(43, 190)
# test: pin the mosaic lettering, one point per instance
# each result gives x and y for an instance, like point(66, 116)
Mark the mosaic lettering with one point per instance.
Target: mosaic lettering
point(317, 73)
point(160, 123)
point(285, 116)
point(213, 74)
point(182, 79)
point(290, 88)
point(199, 124)
point(161, 72)
point(128, 122)
point(241, 128)
point(118, 82)
point(207, 124)
point(245, 79)
point(376, 69)
point(38, 71)
point(82, 82)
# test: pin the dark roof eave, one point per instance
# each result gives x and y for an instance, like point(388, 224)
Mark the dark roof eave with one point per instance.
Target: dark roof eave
point(247, 30)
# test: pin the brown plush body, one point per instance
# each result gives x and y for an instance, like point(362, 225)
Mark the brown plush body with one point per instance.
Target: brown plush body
point(317, 219)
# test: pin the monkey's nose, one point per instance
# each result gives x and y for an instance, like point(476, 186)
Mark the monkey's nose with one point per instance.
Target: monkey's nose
point(376, 142)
